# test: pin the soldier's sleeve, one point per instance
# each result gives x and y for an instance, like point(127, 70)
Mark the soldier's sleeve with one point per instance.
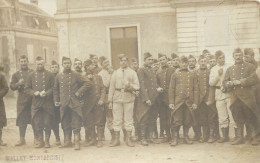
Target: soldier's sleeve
point(85, 84)
point(251, 80)
point(196, 89)
point(4, 87)
point(28, 86)
point(112, 87)
point(56, 89)
point(102, 89)
point(14, 81)
point(50, 91)
point(171, 91)
point(226, 79)
point(135, 84)
point(143, 89)
point(213, 77)
point(105, 79)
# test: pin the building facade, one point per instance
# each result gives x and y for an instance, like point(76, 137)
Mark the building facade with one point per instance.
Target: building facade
point(26, 30)
point(111, 27)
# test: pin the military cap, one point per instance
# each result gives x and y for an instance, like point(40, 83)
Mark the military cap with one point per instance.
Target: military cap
point(54, 62)
point(249, 51)
point(211, 57)
point(102, 59)
point(184, 59)
point(147, 55)
point(76, 60)
point(161, 55)
point(201, 57)
point(87, 63)
point(237, 50)
point(121, 56)
point(92, 56)
point(173, 55)
point(218, 54)
point(65, 58)
point(205, 52)
point(39, 58)
point(132, 60)
point(23, 57)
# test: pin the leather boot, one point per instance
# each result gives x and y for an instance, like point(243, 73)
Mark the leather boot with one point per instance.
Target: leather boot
point(186, 135)
point(167, 138)
point(77, 141)
point(47, 139)
point(212, 137)
point(20, 142)
point(1, 141)
point(93, 140)
point(175, 138)
point(235, 132)
point(116, 140)
point(254, 140)
point(22, 131)
point(112, 132)
point(197, 133)
point(155, 131)
point(216, 132)
point(248, 136)
point(240, 139)
point(225, 137)
point(103, 134)
point(152, 135)
point(204, 134)
point(125, 135)
point(137, 136)
point(87, 135)
point(143, 138)
point(67, 139)
point(99, 142)
point(129, 142)
point(40, 143)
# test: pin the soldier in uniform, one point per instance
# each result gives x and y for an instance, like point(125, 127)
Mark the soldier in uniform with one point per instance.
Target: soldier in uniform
point(134, 64)
point(93, 108)
point(94, 59)
point(24, 101)
point(206, 115)
point(175, 61)
point(146, 110)
point(243, 102)
point(222, 97)
point(78, 66)
point(211, 61)
point(121, 99)
point(106, 76)
point(169, 62)
point(55, 70)
point(3, 91)
point(192, 63)
point(183, 100)
point(39, 85)
point(68, 87)
point(163, 77)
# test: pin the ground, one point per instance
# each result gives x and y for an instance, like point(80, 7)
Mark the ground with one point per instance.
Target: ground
point(198, 152)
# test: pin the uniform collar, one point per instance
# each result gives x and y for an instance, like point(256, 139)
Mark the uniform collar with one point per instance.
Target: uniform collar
point(241, 63)
point(67, 71)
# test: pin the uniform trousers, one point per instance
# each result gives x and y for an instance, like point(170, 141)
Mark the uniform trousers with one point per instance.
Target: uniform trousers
point(95, 118)
point(42, 120)
point(207, 116)
point(71, 120)
point(123, 116)
point(108, 118)
point(181, 117)
point(225, 116)
point(24, 117)
point(164, 115)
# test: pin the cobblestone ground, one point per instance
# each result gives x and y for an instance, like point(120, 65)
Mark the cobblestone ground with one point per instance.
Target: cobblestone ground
point(198, 152)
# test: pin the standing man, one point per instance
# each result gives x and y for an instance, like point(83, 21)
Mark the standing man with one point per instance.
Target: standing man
point(3, 91)
point(24, 101)
point(39, 85)
point(212, 61)
point(222, 97)
point(55, 68)
point(93, 108)
point(183, 100)
point(78, 66)
point(175, 61)
point(106, 76)
point(68, 87)
point(124, 82)
point(192, 63)
point(94, 59)
point(243, 102)
point(146, 110)
point(163, 77)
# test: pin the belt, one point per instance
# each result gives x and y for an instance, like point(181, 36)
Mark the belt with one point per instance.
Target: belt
point(122, 90)
point(217, 87)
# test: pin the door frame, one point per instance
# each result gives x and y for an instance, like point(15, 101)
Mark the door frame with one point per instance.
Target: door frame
point(137, 25)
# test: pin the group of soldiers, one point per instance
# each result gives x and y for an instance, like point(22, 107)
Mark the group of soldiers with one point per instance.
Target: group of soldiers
point(203, 93)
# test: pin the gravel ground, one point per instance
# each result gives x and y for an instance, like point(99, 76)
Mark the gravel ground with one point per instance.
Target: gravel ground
point(198, 152)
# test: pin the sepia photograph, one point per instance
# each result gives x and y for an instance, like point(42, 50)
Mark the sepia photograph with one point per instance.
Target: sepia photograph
point(130, 81)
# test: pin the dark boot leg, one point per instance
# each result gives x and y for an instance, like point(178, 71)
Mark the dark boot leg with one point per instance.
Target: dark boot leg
point(57, 135)
point(99, 134)
point(1, 141)
point(197, 133)
point(175, 138)
point(124, 132)
point(240, 139)
point(87, 135)
point(186, 135)
point(117, 141)
point(93, 140)
point(204, 134)
point(129, 140)
point(22, 130)
point(40, 139)
point(217, 135)
point(112, 132)
point(47, 139)
point(225, 137)
point(212, 137)
point(67, 139)
point(248, 136)
point(151, 135)
point(77, 141)
point(143, 136)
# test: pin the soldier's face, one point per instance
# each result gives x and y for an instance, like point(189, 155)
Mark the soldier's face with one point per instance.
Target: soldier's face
point(203, 63)
point(192, 62)
point(24, 63)
point(105, 64)
point(91, 67)
point(54, 68)
point(248, 57)
point(123, 62)
point(221, 60)
point(39, 65)
point(238, 57)
point(95, 59)
point(163, 61)
point(149, 61)
point(183, 65)
point(169, 63)
point(134, 65)
point(66, 64)
point(78, 65)
point(212, 62)
point(175, 62)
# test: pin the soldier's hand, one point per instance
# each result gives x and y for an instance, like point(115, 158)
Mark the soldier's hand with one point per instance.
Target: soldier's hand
point(236, 82)
point(171, 106)
point(100, 102)
point(57, 104)
point(230, 83)
point(37, 93)
point(220, 71)
point(110, 106)
point(160, 90)
point(208, 103)
point(77, 94)
point(194, 106)
point(43, 93)
point(148, 102)
point(136, 93)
